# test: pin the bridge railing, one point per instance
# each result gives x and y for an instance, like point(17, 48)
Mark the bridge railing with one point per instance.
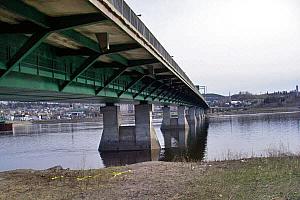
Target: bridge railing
point(135, 21)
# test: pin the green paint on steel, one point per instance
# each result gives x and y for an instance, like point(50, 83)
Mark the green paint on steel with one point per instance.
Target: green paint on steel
point(144, 88)
point(41, 59)
point(159, 94)
point(87, 64)
point(154, 90)
point(116, 75)
point(134, 82)
point(33, 42)
point(25, 11)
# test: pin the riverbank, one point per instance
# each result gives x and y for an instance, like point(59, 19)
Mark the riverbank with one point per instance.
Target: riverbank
point(260, 178)
point(254, 111)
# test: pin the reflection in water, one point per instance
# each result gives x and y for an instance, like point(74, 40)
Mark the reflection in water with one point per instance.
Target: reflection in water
point(191, 145)
point(75, 146)
point(180, 145)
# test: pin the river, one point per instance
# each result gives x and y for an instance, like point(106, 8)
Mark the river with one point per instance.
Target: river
point(74, 146)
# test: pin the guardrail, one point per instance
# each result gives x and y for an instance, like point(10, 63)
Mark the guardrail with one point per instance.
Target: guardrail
point(135, 21)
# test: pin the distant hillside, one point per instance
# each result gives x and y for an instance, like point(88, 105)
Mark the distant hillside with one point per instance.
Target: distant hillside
point(213, 97)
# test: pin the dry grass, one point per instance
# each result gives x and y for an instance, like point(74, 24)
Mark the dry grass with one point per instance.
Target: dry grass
point(262, 178)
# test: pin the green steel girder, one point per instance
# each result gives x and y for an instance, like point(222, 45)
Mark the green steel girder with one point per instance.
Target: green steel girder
point(26, 11)
point(116, 75)
point(85, 66)
point(176, 96)
point(165, 95)
point(54, 23)
point(154, 90)
point(42, 23)
point(30, 45)
point(131, 84)
point(23, 27)
point(50, 26)
point(144, 88)
point(93, 58)
point(163, 90)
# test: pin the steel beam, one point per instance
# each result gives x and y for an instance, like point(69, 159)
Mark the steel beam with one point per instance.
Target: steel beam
point(154, 90)
point(26, 11)
point(131, 84)
point(159, 94)
point(144, 88)
point(165, 95)
point(30, 45)
point(116, 75)
point(85, 66)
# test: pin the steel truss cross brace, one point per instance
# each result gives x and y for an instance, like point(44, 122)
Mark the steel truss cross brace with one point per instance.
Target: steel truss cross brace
point(116, 75)
point(154, 90)
point(144, 88)
point(131, 84)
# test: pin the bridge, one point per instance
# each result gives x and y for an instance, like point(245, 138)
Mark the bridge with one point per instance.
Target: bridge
point(93, 51)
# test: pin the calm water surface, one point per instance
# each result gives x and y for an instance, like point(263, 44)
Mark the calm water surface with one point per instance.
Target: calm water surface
point(75, 145)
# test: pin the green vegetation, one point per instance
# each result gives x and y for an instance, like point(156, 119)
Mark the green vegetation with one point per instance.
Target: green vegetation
point(272, 178)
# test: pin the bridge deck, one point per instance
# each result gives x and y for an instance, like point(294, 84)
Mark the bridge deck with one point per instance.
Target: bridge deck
point(64, 50)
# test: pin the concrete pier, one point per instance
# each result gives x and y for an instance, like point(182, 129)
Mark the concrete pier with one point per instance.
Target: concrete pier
point(142, 136)
point(166, 122)
point(145, 134)
point(182, 121)
point(191, 115)
point(198, 114)
point(111, 123)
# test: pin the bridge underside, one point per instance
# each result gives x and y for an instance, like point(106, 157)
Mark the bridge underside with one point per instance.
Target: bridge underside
point(69, 50)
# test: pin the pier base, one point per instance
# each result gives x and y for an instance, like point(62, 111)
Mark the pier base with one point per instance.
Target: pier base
point(142, 136)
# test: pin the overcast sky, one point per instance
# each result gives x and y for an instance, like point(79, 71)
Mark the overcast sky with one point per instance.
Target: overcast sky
point(229, 45)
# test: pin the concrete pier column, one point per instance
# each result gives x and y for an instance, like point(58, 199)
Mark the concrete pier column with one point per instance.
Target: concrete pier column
point(166, 122)
point(111, 123)
point(145, 135)
point(198, 114)
point(203, 113)
point(192, 115)
point(182, 121)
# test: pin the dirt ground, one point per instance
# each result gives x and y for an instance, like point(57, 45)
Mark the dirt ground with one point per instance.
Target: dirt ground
point(244, 179)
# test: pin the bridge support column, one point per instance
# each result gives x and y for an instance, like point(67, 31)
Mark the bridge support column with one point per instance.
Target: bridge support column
point(111, 123)
point(166, 122)
point(199, 115)
point(145, 134)
point(192, 115)
point(182, 121)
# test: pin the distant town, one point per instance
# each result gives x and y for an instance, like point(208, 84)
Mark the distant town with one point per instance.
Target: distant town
point(236, 103)
point(252, 103)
